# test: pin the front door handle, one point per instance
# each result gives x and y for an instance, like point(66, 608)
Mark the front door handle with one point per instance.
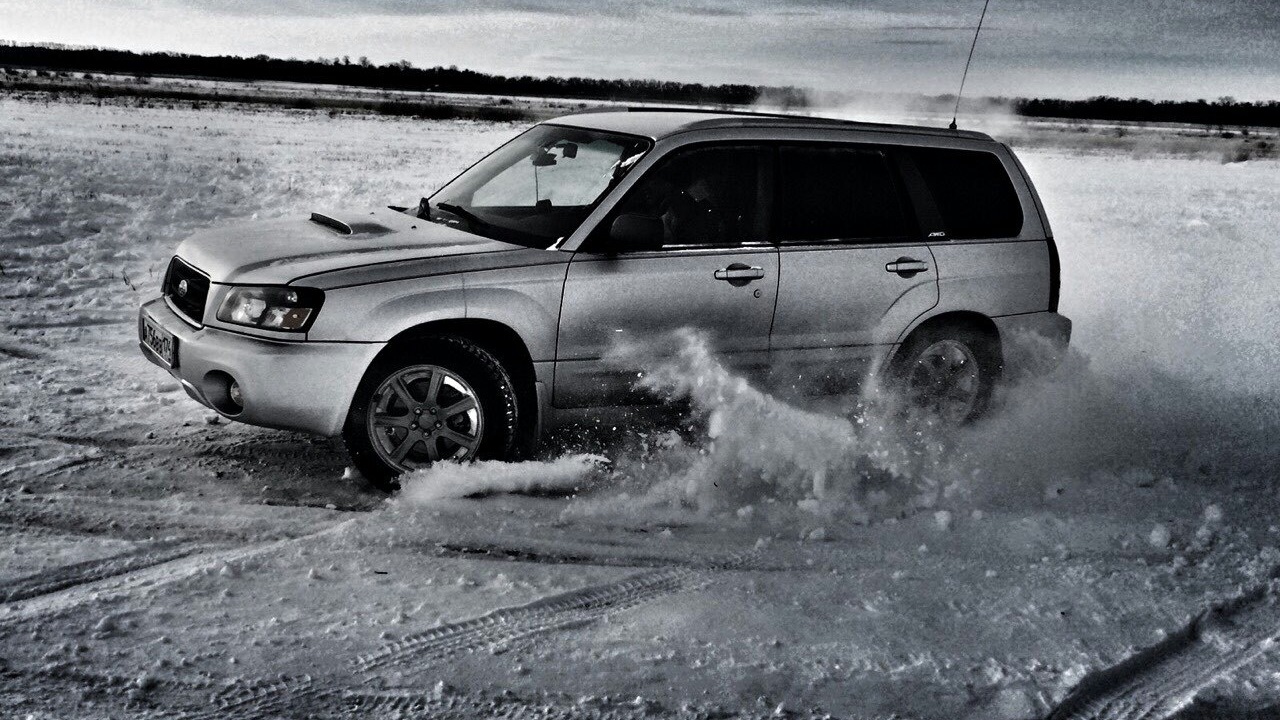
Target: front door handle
point(738, 274)
point(906, 267)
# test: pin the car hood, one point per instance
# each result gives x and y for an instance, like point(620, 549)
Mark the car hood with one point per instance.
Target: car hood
point(277, 252)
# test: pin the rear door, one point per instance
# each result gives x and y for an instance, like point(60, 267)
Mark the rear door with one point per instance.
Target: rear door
point(854, 270)
point(715, 273)
point(994, 256)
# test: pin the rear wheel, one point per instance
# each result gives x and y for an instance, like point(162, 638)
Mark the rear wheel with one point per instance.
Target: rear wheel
point(440, 399)
point(948, 373)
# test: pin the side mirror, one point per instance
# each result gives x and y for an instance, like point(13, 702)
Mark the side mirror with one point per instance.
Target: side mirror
point(634, 233)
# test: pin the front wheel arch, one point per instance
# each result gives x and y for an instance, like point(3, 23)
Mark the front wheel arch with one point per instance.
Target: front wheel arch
point(506, 346)
point(482, 375)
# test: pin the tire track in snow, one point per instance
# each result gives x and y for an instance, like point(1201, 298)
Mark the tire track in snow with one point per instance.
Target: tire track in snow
point(141, 520)
point(499, 628)
point(1198, 711)
point(448, 703)
point(285, 697)
point(66, 576)
point(1163, 680)
point(144, 579)
point(565, 553)
point(502, 627)
point(20, 351)
point(117, 696)
point(495, 631)
point(49, 466)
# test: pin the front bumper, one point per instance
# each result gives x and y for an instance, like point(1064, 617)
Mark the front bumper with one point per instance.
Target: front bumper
point(304, 385)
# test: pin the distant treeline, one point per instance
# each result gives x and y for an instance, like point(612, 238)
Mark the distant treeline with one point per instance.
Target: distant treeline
point(403, 76)
point(394, 76)
point(404, 107)
point(1224, 111)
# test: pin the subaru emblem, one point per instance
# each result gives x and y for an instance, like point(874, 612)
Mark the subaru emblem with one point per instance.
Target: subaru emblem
point(182, 288)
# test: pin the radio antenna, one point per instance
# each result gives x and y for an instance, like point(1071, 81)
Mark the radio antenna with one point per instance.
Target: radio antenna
point(965, 76)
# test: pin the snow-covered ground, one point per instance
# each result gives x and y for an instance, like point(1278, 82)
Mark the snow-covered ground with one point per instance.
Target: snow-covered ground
point(804, 561)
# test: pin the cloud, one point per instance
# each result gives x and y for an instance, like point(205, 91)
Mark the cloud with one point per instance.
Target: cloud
point(1153, 48)
point(939, 26)
point(912, 41)
point(394, 8)
point(720, 12)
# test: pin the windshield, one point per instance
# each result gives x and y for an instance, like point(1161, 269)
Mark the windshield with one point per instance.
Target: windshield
point(538, 188)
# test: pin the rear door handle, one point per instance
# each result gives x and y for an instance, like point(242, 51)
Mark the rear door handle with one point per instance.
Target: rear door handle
point(738, 274)
point(906, 267)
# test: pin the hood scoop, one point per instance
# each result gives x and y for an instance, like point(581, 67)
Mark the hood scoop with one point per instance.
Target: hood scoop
point(357, 227)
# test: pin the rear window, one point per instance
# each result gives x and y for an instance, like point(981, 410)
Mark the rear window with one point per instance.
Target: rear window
point(972, 191)
point(828, 193)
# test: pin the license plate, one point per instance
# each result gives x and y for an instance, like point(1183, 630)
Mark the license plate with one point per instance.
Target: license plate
point(160, 341)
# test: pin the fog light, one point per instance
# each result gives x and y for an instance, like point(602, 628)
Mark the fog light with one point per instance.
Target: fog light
point(221, 392)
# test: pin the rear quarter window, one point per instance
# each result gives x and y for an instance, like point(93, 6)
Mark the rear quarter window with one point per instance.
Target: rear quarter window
point(972, 191)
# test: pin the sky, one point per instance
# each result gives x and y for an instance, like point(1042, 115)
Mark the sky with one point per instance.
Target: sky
point(1176, 49)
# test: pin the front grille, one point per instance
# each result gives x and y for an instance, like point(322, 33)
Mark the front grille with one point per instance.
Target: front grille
point(189, 297)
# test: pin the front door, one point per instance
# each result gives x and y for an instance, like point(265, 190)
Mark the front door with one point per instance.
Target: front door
point(715, 273)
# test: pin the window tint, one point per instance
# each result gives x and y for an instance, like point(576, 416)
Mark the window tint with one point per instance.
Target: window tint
point(972, 191)
point(837, 193)
point(704, 196)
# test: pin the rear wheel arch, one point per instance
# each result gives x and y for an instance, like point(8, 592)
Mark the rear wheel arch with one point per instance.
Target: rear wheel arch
point(928, 366)
point(965, 320)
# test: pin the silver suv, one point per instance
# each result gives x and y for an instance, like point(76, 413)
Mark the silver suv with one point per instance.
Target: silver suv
point(466, 326)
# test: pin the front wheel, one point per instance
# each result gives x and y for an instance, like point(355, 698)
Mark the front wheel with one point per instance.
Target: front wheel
point(441, 399)
point(948, 373)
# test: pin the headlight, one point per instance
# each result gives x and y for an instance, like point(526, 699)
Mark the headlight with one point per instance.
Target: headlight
point(272, 308)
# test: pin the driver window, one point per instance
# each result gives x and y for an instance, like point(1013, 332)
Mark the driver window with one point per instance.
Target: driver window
point(709, 196)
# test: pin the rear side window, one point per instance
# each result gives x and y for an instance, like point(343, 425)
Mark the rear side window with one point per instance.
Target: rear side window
point(831, 193)
point(972, 191)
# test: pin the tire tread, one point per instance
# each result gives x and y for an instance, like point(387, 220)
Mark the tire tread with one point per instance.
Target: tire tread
point(499, 445)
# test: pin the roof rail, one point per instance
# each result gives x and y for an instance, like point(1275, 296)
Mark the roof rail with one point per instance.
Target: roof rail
point(744, 118)
point(742, 113)
point(747, 115)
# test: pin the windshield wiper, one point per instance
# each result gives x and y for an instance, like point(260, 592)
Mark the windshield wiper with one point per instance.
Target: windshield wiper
point(479, 226)
point(465, 214)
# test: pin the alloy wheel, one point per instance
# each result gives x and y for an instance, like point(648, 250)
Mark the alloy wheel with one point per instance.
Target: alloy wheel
point(946, 381)
point(422, 414)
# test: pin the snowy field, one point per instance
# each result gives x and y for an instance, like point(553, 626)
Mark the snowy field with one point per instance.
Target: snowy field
point(157, 563)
